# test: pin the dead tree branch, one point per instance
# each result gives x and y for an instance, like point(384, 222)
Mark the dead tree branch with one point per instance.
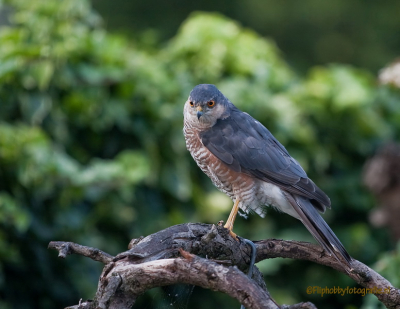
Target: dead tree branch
point(360, 273)
point(191, 269)
point(67, 248)
point(211, 259)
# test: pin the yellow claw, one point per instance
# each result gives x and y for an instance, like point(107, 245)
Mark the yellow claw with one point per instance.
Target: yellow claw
point(231, 220)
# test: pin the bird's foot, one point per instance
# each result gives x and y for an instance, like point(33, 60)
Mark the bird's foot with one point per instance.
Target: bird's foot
point(229, 223)
point(233, 235)
point(230, 228)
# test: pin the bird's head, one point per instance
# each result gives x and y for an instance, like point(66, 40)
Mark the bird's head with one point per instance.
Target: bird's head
point(205, 105)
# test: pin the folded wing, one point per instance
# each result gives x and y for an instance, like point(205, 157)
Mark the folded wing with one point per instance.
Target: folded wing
point(245, 145)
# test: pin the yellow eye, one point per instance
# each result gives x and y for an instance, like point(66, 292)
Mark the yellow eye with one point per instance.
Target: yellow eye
point(191, 103)
point(211, 103)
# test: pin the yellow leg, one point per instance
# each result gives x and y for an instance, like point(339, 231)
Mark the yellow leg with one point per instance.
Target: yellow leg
point(229, 223)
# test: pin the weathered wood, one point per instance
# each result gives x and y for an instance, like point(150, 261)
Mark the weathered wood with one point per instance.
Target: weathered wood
point(211, 259)
point(66, 248)
point(191, 269)
point(360, 273)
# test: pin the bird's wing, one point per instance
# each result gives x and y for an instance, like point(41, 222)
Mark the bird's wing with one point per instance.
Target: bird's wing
point(245, 145)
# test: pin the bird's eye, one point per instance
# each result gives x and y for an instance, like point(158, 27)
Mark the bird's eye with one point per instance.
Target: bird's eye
point(211, 103)
point(191, 103)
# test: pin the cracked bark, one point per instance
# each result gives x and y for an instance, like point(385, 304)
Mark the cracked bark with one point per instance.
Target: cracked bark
point(205, 255)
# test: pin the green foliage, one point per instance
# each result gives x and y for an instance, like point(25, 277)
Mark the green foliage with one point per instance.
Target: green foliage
point(91, 145)
point(212, 47)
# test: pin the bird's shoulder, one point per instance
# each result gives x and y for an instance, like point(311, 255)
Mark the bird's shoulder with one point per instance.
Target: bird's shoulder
point(246, 140)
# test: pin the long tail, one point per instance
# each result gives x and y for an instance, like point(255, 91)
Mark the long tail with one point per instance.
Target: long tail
point(319, 228)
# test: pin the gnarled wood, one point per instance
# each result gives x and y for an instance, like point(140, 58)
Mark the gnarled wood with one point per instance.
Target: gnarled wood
point(156, 260)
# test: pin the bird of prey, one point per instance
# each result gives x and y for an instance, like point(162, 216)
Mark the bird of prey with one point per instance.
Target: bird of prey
point(246, 162)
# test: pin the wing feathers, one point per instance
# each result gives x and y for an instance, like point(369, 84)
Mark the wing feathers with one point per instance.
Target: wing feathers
point(246, 145)
point(319, 228)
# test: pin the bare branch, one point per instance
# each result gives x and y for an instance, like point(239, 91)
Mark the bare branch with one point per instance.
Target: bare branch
point(191, 269)
point(156, 260)
point(65, 248)
point(362, 274)
point(81, 305)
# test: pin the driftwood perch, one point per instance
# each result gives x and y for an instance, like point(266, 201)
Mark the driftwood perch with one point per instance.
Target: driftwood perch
point(206, 255)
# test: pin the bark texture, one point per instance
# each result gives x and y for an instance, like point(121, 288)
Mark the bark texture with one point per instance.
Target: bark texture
point(207, 256)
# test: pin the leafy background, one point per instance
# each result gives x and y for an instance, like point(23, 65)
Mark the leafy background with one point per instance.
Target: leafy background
point(91, 144)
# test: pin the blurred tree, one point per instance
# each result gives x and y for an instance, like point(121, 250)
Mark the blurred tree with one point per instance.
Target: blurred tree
point(382, 177)
point(310, 32)
point(91, 146)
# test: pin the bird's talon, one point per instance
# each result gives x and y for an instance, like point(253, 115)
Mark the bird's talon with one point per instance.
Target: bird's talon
point(234, 236)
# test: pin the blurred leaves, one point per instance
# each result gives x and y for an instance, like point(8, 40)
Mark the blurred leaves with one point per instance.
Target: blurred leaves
point(213, 46)
point(345, 86)
point(92, 151)
point(11, 215)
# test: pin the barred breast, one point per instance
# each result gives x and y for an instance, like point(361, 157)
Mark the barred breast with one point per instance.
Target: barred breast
point(207, 162)
point(234, 184)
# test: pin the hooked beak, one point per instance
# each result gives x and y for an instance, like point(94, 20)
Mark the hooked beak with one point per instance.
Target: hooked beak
point(199, 112)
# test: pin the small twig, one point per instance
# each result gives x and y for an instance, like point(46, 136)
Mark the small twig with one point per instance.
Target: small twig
point(82, 305)
point(207, 238)
point(66, 248)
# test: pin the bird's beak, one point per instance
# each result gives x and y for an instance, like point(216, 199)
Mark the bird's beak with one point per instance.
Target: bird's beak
point(199, 112)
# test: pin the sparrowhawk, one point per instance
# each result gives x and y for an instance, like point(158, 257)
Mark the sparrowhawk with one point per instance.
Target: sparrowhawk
point(246, 162)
